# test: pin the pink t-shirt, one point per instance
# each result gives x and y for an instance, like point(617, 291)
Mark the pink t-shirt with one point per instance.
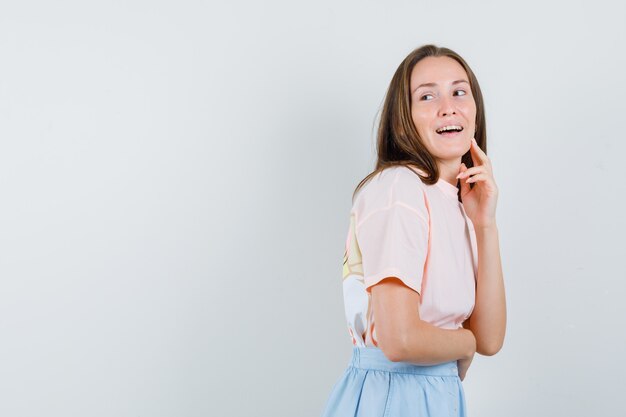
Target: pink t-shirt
point(419, 233)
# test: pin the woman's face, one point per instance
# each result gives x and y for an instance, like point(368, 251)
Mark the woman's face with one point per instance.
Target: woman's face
point(443, 102)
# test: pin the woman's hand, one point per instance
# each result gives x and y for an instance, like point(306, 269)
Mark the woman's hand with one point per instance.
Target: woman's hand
point(479, 202)
point(463, 365)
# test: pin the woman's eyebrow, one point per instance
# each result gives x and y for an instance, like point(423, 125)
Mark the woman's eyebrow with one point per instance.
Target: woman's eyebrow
point(435, 84)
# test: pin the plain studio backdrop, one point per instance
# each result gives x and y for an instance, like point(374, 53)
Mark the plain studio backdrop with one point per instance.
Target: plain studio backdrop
point(176, 181)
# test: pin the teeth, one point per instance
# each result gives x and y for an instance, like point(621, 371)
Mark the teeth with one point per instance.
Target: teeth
point(451, 127)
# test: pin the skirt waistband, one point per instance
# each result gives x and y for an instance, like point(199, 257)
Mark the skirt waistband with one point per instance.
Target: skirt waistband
point(374, 358)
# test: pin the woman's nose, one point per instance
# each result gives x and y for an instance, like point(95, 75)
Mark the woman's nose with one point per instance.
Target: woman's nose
point(447, 107)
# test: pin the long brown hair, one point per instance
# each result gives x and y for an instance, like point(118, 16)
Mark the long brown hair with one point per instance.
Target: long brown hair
point(398, 142)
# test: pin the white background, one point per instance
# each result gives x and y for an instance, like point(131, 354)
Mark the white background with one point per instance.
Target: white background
point(176, 178)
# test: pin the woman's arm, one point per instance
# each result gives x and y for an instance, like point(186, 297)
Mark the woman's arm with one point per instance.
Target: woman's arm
point(488, 319)
point(403, 336)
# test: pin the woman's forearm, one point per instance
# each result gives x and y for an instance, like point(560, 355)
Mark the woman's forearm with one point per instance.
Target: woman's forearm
point(488, 319)
point(430, 345)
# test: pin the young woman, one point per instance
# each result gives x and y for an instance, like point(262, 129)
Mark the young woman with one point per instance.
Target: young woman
point(422, 277)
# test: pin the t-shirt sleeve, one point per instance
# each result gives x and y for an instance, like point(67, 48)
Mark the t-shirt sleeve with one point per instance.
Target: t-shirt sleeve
point(394, 242)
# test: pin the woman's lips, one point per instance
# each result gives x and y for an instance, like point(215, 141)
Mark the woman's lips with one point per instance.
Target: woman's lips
point(450, 134)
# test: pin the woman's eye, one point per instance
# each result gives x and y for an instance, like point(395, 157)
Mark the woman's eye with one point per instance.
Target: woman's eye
point(457, 91)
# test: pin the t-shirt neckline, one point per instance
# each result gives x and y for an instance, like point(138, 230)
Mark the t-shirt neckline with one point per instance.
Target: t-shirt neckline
point(447, 188)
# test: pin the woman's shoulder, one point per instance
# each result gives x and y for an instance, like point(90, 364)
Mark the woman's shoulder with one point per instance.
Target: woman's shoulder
point(409, 176)
point(395, 178)
point(398, 184)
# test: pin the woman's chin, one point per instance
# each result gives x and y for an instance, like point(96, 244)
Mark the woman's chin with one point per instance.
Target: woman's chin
point(452, 151)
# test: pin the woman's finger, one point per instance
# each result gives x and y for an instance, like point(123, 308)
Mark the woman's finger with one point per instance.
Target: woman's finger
point(478, 177)
point(471, 171)
point(478, 154)
point(465, 188)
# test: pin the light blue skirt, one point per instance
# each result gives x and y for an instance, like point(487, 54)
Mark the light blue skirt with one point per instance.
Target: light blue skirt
point(374, 386)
